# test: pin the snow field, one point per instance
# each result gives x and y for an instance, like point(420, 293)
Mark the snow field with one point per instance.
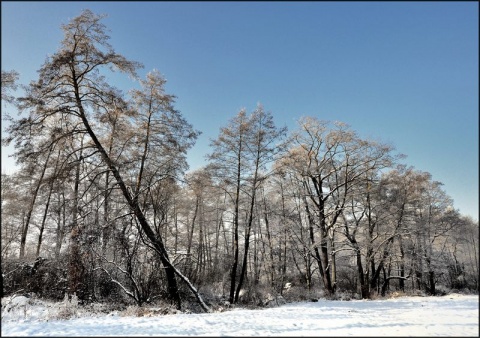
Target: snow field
point(452, 315)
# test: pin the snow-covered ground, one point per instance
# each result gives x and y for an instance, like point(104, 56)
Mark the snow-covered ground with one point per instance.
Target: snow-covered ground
point(452, 315)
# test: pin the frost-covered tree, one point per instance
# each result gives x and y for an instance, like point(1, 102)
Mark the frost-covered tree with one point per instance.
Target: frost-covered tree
point(72, 83)
point(240, 157)
point(9, 83)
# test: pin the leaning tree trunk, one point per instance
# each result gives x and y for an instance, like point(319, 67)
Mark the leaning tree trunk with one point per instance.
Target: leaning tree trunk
point(44, 219)
point(156, 240)
point(23, 238)
point(47, 206)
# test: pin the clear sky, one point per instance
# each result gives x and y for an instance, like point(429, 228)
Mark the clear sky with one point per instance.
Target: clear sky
point(405, 73)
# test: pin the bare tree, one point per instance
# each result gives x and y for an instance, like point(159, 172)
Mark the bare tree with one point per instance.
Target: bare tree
point(264, 145)
point(243, 149)
point(435, 217)
point(331, 162)
point(228, 158)
point(71, 83)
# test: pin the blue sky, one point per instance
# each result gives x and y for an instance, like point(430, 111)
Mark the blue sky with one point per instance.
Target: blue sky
point(405, 73)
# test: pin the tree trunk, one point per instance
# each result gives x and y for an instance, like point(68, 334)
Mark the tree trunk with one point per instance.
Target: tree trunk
point(233, 273)
point(62, 219)
point(364, 287)
point(75, 266)
point(23, 238)
point(332, 260)
point(269, 239)
point(312, 235)
point(47, 205)
point(156, 240)
point(402, 265)
point(247, 245)
point(323, 253)
point(188, 263)
point(44, 219)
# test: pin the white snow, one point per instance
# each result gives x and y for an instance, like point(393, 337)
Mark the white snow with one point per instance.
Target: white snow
point(451, 315)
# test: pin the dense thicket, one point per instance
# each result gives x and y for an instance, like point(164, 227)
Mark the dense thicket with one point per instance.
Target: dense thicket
point(102, 205)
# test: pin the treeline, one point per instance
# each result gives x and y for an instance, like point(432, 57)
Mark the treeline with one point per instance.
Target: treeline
point(101, 206)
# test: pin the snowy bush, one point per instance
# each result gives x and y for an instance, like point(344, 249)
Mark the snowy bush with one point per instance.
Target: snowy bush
point(15, 305)
point(273, 301)
point(45, 278)
point(442, 290)
point(31, 307)
point(133, 311)
point(296, 293)
point(69, 308)
point(145, 311)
